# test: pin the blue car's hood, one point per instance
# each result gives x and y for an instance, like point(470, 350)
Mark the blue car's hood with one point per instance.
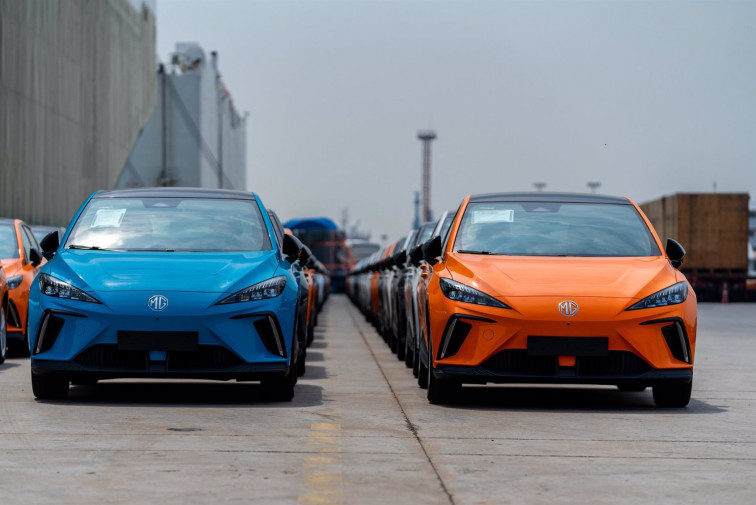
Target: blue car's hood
point(169, 271)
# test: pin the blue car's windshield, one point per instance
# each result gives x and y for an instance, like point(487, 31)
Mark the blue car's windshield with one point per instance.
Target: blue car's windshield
point(170, 224)
point(554, 229)
point(8, 244)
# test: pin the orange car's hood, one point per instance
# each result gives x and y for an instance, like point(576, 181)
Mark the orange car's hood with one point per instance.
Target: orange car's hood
point(509, 276)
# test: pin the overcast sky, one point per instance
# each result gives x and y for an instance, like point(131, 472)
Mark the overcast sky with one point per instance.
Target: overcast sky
point(649, 98)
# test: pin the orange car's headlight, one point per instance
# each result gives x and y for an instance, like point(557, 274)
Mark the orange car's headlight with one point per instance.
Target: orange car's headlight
point(15, 281)
point(673, 295)
point(459, 292)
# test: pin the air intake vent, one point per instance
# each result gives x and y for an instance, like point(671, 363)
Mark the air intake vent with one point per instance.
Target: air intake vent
point(677, 341)
point(270, 334)
point(48, 333)
point(454, 336)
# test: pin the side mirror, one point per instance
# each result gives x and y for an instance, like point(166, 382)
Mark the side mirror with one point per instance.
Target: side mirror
point(49, 245)
point(675, 252)
point(291, 247)
point(305, 256)
point(432, 250)
point(400, 258)
point(35, 258)
point(416, 255)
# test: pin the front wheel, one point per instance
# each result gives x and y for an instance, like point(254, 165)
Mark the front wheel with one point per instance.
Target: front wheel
point(49, 386)
point(673, 395)
point(440, 391)
point(280, 389)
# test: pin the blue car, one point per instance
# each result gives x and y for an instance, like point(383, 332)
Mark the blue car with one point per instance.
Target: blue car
point(166, 283)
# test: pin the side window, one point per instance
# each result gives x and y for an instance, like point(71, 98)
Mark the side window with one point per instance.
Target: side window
point(33, 240)
point(277, 228)
point(27, 243)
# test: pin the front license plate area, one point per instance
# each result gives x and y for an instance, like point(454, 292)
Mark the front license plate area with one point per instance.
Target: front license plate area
point(568, 346)
point(157, 340)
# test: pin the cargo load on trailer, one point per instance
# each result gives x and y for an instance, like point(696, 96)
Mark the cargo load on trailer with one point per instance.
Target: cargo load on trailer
point(713, 228)
point(328, 244)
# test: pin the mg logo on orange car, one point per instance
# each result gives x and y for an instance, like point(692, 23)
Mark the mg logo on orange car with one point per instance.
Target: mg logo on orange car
point(568, 308)
point(157, 302)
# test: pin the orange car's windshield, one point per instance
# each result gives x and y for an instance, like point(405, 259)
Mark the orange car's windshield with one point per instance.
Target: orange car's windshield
point(8, 244)
point(554, 229)
point(170, 224)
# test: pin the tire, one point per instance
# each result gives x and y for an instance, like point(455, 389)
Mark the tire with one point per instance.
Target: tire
point(400, 349)
point(422, 374)
point(440, 391)
point(301, 365)
point(84, 382)
point(3, 336)
point(49, 386)
point(280, 389)
point(630, 388)
point(673, 395)
point(408, 356)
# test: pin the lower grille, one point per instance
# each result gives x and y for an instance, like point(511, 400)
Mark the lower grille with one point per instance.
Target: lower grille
point(206, 358)
point(109, 357)
point(517, 361)
point(618, 363)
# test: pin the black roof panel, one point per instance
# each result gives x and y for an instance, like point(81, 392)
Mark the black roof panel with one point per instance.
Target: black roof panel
point(542, 196)
point(175, 193)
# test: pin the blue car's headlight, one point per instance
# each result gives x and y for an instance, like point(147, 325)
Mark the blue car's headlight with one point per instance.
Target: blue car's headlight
point(677, 293)
point(260, 291)
point(15, 281)
point(51, 286)
point(462, 293)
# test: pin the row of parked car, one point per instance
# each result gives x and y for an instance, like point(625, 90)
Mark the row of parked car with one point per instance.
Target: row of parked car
point(535, 288)
point(20, 260)
point(163, 283)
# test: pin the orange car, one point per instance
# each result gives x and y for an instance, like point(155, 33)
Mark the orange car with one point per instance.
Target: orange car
point(3, 322)
point(556, 288)
point(21, 259)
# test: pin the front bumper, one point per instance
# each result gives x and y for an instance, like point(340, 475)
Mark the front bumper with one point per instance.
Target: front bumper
point(492, 344)
point(227, 341)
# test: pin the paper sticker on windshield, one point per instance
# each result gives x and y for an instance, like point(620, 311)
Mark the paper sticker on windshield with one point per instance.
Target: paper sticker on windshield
point(492, 216)
point(108, 217)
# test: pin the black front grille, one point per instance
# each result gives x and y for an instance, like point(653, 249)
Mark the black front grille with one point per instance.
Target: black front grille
point(517, 361)
point(618, 363)
point(207, 357)
point(109, 357)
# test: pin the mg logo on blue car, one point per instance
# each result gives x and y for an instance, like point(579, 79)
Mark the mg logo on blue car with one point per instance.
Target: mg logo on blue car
point(157, 302)
point(568, 308)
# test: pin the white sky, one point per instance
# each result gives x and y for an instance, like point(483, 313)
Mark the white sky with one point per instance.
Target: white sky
point(648, 97)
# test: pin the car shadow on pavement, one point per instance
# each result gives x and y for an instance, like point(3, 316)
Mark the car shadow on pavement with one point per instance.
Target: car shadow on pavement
point(570, 399)
point(186, 394)
point(7, 365)
point(314, 372)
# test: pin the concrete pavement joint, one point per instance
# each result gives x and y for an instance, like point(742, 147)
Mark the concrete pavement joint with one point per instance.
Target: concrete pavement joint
point(407, 421)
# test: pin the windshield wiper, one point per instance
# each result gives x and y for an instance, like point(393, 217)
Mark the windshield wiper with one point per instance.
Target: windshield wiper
point(466, 251)
point(89, 247)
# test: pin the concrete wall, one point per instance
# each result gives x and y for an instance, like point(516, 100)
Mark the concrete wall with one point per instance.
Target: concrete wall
point(77, 83)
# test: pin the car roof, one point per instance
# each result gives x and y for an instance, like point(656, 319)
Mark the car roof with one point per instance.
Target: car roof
point(541, 196)
point(176, 193)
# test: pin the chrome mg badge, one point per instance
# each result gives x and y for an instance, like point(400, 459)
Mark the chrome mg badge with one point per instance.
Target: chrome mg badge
point(157, 303)
point(568, 308)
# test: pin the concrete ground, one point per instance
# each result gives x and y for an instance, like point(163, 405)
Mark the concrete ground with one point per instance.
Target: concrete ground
point(360, 431)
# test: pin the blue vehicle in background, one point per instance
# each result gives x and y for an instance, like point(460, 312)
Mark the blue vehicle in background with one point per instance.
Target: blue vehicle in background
point(328, 244)
point(166, 283)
